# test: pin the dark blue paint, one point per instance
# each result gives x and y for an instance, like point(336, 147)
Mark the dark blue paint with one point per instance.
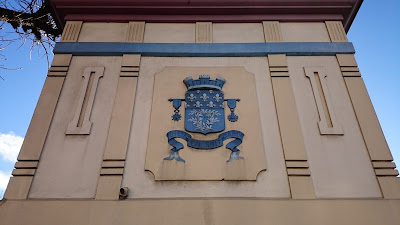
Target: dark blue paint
point(204, 50)
point(204, 145)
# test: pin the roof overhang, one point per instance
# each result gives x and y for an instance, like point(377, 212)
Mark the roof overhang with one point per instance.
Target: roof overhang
point(205, 10)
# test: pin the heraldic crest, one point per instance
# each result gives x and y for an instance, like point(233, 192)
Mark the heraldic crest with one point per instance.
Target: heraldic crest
point(204, 113)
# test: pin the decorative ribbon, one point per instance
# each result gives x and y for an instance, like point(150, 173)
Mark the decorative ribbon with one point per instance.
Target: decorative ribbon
point(204, 145)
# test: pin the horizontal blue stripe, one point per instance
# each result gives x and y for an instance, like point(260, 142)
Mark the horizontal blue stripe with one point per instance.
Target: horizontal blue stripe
point(204, 50)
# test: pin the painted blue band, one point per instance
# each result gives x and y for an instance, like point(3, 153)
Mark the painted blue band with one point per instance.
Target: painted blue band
point(204, 50)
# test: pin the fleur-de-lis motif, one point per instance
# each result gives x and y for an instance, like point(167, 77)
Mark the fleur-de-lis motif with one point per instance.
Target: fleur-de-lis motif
point(191, 97)
point(217, 98)
point(186, 105)
point(204, 97)
point(198, 104)
point(211, 104)
point(222, 105)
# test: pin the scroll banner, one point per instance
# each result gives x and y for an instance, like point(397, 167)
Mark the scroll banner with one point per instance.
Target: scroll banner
point(204, 145)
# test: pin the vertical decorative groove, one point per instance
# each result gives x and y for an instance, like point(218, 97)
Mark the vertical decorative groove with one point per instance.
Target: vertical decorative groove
point(272, 31)
point(336, 31)
point(323, 101)
point(85, 102)
point(86, 99)
point(71, 31)
point(323, 98)
point(135, 32)
point(204, 32)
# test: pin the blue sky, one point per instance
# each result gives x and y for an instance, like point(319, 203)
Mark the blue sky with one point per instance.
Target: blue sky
point(375, 34)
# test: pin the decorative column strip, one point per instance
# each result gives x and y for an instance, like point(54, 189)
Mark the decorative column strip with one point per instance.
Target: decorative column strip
point(272, 31)
point(81, 124)
point(115, 151)
point(378, 150)
point(328, 123)
point(28, 159)
point(135, 32)
point(336, 31)
point(300, 182)
point(204, 32)
point(71, 31)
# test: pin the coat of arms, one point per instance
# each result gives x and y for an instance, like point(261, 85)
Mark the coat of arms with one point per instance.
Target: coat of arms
point(204, 113)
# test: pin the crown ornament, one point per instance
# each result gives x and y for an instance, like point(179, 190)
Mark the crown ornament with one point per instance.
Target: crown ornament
point(204, 82)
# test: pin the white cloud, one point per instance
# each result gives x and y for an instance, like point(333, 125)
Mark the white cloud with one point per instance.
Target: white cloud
point(10, 144)
point(4, 177)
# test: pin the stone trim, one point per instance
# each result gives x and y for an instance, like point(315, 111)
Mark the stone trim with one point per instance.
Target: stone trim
point(204, 49)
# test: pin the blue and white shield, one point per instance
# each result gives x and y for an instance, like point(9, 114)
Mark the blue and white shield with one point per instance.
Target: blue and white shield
point(204, 111)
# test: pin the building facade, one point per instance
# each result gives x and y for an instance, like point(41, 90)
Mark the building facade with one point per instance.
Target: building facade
point(204, 112)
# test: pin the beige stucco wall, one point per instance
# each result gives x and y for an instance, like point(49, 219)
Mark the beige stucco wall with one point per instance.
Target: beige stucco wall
point(186, 32)
point(237, 32)
point(339, 164)
point(103, 32)
point(239, 84)
point(304, 32)
point(70, 164)
point(272, 183)
point(202, 212)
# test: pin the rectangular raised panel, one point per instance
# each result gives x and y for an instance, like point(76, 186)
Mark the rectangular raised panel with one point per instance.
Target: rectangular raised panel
point(108, 187)
point(301, 187)
point(81, 122)
point(112, 171)
point(289, 125)
point(170, 33)
point(297, 164)
point(386, 172)
point(113, 164)
point(118, 134)
point(37, 131)
point(349, 69)
point(119, 130)
point(390, 187)
point(135, 32)
point(367, 119)
point(169, 84)
point(328, 123)
point(336, 31)
point(298, 172)
point(26, 164)
point(23, 172)
point(272, 31)
point(60, 65)
point(346, 60)
point(71, 31)
point(278, 60)
point(304, 32)
point(238, 33)
point(61, 60)
point(204, 32)
point(351, 74)
point(18, 187)
point(103, 32)
point(380, 165)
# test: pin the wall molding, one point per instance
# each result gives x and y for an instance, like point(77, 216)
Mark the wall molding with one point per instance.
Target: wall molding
point(204, 49)
point(328, 123)
point(81, 122)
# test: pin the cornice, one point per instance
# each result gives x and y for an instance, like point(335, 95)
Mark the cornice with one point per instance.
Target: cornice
point(205, 10)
